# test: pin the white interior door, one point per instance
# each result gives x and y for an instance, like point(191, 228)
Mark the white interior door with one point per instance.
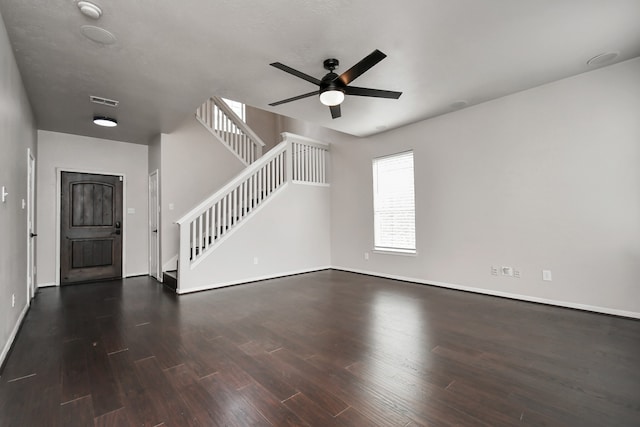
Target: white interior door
point(31, 232)
point(154, 227)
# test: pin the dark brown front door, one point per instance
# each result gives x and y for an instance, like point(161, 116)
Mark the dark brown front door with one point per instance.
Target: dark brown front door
point(90, 227)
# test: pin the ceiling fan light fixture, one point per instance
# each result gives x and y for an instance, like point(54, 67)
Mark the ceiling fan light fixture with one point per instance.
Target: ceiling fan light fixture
point(332, 97)
point(105, 121)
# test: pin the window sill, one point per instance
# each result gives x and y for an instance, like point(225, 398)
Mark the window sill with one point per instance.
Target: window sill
point(398, 252)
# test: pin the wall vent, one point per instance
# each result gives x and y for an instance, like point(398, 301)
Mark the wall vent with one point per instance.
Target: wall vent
point(103, 101)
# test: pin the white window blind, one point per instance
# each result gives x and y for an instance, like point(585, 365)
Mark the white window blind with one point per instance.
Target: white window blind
point(394, 203)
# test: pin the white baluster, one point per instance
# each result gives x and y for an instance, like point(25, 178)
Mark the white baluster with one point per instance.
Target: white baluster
point(218, 220)
point(224, 216)
point(193, 240)
point(250, 207)
point(317, 152)
point(206, 228)
point(200, 241)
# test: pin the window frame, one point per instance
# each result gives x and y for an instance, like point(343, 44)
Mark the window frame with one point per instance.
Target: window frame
point(393, 250)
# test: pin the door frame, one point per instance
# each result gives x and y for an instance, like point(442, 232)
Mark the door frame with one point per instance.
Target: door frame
point(158, 273)
point(31, 219)
point(122, 175)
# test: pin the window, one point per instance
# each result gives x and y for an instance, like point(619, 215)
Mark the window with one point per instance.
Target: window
point(228, 126)
point(237, 107)
point(394, 215)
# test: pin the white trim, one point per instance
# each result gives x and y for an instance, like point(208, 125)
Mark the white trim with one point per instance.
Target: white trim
point(401, 252)
point(47, 285)
point(12, 336)
point(31, 225)
point(565, 304)
point(59, 171)
point(158, 273)
point(313, 184)
point(138, 274)
point(303, 139)
point(250, 280)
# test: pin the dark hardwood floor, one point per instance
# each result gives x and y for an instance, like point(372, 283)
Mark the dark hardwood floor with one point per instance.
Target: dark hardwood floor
point(322, 349)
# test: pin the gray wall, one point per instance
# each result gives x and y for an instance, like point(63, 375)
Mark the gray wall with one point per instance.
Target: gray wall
point(265, 124)
point(61, 151)
point(193, 166)
point(547, 178)
point(17, 135)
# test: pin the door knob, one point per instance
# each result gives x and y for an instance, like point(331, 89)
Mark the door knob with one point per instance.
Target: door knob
point(33, 234)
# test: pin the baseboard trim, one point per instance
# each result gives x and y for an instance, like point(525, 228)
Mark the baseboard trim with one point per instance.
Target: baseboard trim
point(132, 275)
point(250, 280)
point(12, 337)
point(47, 285)
point(527, 298)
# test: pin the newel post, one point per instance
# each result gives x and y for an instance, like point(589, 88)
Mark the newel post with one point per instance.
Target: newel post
point(289, 160)
point(184, 253)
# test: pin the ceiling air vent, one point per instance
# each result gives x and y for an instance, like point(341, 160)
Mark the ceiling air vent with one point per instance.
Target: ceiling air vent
point(103, 101)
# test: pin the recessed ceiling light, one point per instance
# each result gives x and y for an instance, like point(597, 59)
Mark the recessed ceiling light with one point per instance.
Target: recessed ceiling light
point(105, 121)
point(603, 58)
point(459, 104)
point(89, 9)
point(97, 34)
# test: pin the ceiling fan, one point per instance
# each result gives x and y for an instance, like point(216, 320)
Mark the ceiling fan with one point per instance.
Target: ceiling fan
point(334, 87)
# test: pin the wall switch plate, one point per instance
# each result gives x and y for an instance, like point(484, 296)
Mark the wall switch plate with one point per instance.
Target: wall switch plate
point(131, 211)
point(546, 275)
point(24, 204)
point(494, 270)
point(4, 194)
point(506, 271)
point(255, 260)
point(13, 300)
point(516, 274)
point(366, 255)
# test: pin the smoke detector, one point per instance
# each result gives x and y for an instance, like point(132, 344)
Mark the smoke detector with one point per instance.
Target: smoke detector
point(89, 9)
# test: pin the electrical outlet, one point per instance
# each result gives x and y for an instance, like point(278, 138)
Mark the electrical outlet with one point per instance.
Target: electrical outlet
point(546, 275)
point(13, 300)
point(516, 274)
point(507, 271)
point(494, 270)
point(366, 255)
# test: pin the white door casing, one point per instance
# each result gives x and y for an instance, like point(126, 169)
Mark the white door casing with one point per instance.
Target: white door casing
point(154, 226)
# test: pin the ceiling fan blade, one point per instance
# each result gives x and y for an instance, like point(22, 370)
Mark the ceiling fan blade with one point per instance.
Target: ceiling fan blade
point(296, 73)
point(335, 111)
point(377, 93)
point(357, 70)
point(295, 98)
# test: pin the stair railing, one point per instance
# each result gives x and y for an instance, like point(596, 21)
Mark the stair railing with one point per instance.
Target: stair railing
point(296, 159)
point(234, 133)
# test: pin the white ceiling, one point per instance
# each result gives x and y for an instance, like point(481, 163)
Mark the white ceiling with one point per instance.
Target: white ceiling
point(171, 55)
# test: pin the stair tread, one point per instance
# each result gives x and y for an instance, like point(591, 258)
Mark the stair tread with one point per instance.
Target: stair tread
point(172, 273)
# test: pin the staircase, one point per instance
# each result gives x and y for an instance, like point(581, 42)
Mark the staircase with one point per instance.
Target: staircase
point(294, 161)
point(228, 128)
